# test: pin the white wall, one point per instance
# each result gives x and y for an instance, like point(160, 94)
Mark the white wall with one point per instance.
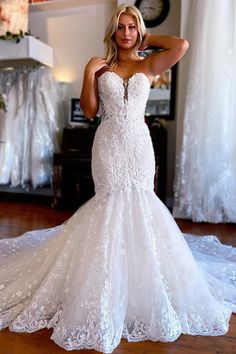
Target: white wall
point(76, 34)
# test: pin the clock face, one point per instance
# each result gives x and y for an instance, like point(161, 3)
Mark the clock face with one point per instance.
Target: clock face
point(153, 11)
point(150, 9)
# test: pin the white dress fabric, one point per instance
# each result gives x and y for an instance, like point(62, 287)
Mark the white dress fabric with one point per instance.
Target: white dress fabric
point(119, 267)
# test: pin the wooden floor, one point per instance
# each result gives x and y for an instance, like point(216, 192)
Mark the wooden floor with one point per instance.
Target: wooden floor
point(16, 218)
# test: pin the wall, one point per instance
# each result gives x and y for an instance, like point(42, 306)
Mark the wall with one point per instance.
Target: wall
point(76, 34)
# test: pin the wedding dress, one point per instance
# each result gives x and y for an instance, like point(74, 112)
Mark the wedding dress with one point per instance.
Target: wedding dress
point(119, 267)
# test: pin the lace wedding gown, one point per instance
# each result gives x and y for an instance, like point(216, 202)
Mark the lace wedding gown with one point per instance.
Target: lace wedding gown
point(119, 267)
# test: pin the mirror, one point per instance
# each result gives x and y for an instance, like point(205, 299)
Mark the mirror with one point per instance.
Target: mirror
point(161, 102)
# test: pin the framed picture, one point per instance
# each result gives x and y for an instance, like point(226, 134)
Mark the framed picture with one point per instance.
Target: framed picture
point(76, 114)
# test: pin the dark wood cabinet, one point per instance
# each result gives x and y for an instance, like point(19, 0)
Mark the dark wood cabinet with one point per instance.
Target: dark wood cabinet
point(159, 139)
point(72, 182)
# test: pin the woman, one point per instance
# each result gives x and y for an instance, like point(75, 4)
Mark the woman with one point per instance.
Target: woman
point(120, 266)
point(125, 35)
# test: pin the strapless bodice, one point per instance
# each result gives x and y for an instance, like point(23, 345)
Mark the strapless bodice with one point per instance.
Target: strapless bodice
point(123, 99)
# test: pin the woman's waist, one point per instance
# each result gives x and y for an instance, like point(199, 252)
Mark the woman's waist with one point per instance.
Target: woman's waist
point(129, 122)
point(123, 134)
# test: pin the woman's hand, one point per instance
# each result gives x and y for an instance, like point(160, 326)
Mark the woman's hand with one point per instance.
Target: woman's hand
point(95, 64)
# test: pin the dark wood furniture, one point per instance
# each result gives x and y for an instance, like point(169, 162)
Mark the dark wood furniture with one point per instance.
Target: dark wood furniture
point(159, 139)
point(72, 182)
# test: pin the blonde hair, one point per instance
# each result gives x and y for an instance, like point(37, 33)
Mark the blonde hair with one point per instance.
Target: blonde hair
point(109, 39)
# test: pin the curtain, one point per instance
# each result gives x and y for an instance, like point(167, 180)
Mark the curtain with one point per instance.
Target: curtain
point(205, 185)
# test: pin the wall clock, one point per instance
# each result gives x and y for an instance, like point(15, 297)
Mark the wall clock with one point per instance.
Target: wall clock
point(154, 12)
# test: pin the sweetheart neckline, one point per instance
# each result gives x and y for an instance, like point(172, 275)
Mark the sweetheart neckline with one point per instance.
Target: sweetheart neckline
point(129, 78)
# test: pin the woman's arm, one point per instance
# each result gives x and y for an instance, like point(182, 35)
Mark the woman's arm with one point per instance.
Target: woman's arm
point(89, 100)
point(173, 47)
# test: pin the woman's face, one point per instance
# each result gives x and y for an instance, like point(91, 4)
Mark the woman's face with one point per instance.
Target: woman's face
point(127, 32)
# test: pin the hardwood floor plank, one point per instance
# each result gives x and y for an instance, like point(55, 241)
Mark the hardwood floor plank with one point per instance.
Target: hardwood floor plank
point(225, 232)
point(17, 218)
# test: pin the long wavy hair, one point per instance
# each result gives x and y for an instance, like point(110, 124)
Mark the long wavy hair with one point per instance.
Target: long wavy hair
point(109, 39)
